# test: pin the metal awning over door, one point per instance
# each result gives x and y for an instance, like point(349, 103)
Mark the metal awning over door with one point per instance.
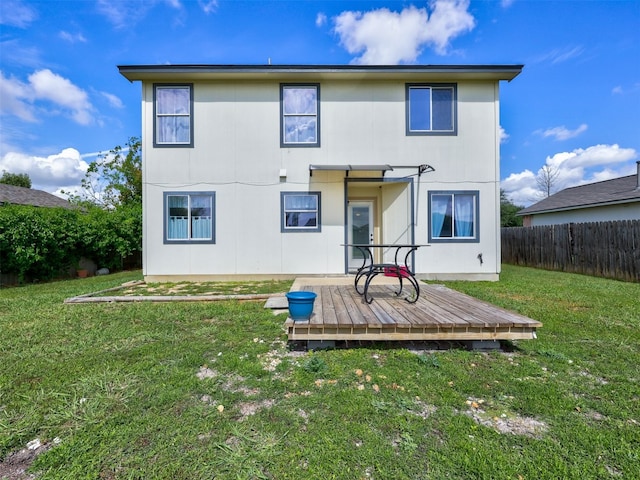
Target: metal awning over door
point(351, 168)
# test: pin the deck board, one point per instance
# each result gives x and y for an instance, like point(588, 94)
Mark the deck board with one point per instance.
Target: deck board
point(440, 313)
point(342, 312)
point(490, 313)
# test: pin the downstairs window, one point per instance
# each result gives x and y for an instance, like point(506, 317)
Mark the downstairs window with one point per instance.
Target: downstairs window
point(453, 216)
point(300, 212)
point(189, 217)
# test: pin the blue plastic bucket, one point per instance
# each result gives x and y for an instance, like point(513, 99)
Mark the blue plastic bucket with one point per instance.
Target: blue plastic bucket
point(301, 305)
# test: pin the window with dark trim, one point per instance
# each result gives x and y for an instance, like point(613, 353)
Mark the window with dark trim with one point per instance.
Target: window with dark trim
point(189, 217)
point(173, 115)
point(431, 109)
point(300, 212)
point(300, 115)
point(453, 216)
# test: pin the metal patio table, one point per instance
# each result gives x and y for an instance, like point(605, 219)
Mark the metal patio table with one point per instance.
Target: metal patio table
point(369, 269)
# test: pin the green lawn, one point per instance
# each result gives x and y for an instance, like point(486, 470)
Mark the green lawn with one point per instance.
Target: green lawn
point(210, 390)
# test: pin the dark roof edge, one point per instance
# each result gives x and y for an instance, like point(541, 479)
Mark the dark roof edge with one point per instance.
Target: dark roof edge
point(523, 212)
point(205, 68)
point(320, 68)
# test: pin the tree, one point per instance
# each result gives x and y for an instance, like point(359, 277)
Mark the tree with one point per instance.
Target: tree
point(508, 210)
point(547, 179)
point(114, 179)
point(16, 179)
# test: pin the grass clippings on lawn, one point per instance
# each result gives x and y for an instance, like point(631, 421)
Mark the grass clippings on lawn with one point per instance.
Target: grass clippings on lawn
point(207, 390)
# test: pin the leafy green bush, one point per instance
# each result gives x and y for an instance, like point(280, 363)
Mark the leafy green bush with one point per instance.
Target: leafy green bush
point(110, 236)
point(44, 243)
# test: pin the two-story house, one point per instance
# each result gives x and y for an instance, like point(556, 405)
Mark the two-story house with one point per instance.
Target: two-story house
point(266, 171)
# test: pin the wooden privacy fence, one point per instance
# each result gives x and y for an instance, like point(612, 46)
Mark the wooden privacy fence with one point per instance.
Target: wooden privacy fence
point(602, 249)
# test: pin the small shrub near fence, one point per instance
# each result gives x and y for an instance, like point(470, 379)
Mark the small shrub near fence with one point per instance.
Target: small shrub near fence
point(602, 249)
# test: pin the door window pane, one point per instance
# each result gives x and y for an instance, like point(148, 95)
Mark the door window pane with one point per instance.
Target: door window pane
point(360, 229)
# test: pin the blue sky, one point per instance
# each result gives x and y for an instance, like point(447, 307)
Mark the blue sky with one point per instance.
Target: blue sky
point(575, 107)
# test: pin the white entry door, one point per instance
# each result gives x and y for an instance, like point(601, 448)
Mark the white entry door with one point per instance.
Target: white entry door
point(359, 229)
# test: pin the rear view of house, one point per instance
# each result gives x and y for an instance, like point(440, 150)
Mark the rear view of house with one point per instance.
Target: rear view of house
point(266, 171)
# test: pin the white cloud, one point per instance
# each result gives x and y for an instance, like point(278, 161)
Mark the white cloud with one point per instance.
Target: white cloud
point(49, 86)
point(597, 155)
point(208, 6)
point(506, 3)
point(16, 14)
point(72, 38)
point(321, 19)
point(620, 90)
point(19, 98)
point(563, 133)
point(16, 97)
point(580, 166)
point(609, 173)
point(123, 14)
point(521, 188)
point(16, 53)
point(60, 170)
point(504, 136)
point(559, 55)
point(113, 100)
point(388, 38)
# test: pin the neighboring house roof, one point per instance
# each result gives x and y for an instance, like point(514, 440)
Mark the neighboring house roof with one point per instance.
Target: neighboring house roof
point(607, 192)
point(28, 196)
point(434, 72)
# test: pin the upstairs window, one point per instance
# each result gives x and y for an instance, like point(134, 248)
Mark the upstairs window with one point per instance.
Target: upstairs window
point(189, 217)
point(300, 212)
point(300, 115)
point(173, 113)
point(431, 109)
point(453, 216)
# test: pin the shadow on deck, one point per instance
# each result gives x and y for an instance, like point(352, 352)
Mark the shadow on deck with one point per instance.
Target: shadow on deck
point(439, 314)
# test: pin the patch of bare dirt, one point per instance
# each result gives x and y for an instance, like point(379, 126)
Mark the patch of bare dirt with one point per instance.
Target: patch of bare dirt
point(206, 372)
point(235, 383)
point(424, 410)
point(508, 424)
point(248, 409)
point(16, 464)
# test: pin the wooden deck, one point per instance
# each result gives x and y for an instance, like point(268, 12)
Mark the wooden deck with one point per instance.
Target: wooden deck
point(439, 314)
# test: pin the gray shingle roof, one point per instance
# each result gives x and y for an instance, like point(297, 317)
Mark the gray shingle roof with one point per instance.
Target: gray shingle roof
point(29, 196)
point(616, 190)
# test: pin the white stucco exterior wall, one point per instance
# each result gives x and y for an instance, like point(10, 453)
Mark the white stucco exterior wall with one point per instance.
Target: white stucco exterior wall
point(237, 155)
